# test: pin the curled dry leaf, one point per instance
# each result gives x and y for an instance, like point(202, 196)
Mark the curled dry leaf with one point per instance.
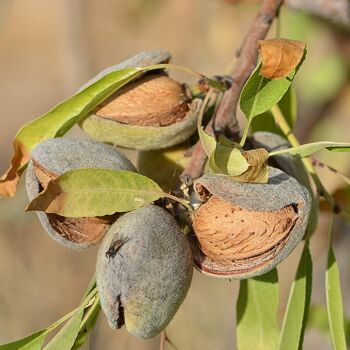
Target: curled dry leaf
point(280, 56)
point(9, 181)
point(258, 170)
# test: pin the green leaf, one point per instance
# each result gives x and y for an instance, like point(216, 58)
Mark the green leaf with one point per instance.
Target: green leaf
point(266, 121)
point(59, 120)
point(318, 319)
point(259, 94)
point(310, 148)
point(334, 297)
point(32, 342)
point(295, 317)
point(228, 161)
point(88, 323)
point(208, 141)
point(223, 158)
point(65, 338)
point(257, 307)
point(96, 192)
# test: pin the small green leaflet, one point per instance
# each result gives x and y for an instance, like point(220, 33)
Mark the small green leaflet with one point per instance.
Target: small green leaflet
point(257, 306)
point(32, 342)
point(288, 106)
point(310, 148)
point(334, 297)
point(228, 160)
point(295, 317)
point(208, 141)
point(96, 192)
point(65, 338)
point(259, 94)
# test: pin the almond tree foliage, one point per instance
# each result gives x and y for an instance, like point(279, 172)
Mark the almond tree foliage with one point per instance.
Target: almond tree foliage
point(229, 182)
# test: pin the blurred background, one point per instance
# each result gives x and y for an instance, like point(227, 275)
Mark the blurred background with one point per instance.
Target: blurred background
point(49, 48)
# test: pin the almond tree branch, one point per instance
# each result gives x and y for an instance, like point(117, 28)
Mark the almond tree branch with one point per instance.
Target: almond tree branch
point(225, 119)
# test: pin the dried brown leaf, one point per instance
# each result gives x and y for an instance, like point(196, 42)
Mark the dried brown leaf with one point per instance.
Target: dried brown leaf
point(280, 56)
point(9, 181)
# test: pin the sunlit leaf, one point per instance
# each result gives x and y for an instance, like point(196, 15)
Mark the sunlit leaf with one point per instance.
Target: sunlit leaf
point(208, 141)
point(58, 121)
point(296, 313)
point(257, 308)
point(65, 338)
point(280, 56)
point(318, 319)
point(32, 342)
point(287, 105)
point(228, 160)
point(259, 94)
point(334, 297)
point(96, 192)
point(310, 148)
point(258, 170)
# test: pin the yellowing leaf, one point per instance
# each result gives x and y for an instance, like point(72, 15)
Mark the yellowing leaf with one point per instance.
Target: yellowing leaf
point(258, 170)
point(208, 141)
point(228, 161)
point(280, 56)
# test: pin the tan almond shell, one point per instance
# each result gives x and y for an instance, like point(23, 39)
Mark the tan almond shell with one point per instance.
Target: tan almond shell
point(148, 276)
point(143, 137)
point(235, 228)
point(292, 165)
point(153, 100)
point(57, 156)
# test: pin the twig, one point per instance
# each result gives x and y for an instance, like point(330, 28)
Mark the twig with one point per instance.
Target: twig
point(225, 119)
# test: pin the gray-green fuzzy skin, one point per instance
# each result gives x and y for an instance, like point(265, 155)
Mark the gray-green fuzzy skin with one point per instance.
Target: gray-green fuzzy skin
point(135, 136)
point(292, 165)
point(142, 59)
point(60, 155)
point(148, 276)
point(280, 191)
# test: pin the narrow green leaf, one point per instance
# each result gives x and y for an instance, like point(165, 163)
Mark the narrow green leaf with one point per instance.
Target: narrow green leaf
point(334, 297)
point(32, 342)
point(88, 323)
point(65, 338)
point(259, 94)
point(288, 105)
point(295, 317)
point(96, 192)
point(59, 120)
point(310, 148)
point(208, 141)
point(257, 307)
point(318, 319)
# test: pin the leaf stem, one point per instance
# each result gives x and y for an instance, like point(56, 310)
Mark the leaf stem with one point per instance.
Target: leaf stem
point(214, 83)
point(282, 123)
point(245, 133)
